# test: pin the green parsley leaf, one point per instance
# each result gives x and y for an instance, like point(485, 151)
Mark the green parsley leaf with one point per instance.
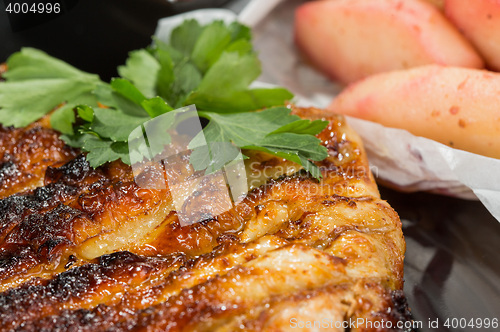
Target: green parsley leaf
point(112, 97)
point(150, 139)
point(245, 128)
point(31, 63)
point(127, 90)
point(240, 101)
point(36, 84)
point(274, 131)
point(166, 76)
point(156, 106)
point(25, 102)
point(294, 144)
point(303, 126)
point(75, 140)
point(63, 119)
point(213, 156)
point(85, 112)
point(141, 69)
point(184, 36)
point(101, 151)
point(233, 72)
point(210, 45)
point(188, 77)
point(139, 150)
point(175, 54)
point(114, 124)
point(239, 31)
point(241, 46)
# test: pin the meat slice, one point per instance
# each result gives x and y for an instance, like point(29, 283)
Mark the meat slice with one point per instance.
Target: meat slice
point(91, 251)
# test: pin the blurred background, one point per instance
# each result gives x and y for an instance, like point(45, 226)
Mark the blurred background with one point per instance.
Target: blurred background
point(93, 35)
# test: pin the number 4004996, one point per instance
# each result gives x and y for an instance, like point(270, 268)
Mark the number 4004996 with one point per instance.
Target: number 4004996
point(33, 8)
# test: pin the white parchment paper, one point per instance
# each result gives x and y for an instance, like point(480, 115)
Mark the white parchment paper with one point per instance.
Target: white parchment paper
point(398, 158)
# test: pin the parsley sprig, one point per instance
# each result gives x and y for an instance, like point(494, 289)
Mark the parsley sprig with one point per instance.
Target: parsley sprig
point(210, 66)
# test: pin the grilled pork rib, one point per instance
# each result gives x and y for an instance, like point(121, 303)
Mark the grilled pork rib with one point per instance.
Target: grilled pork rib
point(89, 250)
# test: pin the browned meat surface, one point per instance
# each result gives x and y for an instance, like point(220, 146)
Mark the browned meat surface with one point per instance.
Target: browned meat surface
point(89, 250)
point(26, 153)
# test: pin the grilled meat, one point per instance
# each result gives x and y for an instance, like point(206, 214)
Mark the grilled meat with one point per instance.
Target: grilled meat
point(26, 153)
point(90, 250)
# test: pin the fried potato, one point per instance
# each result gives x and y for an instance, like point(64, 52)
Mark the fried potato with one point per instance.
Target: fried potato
point(456, 106)
point(352, 39)
point(479, 20)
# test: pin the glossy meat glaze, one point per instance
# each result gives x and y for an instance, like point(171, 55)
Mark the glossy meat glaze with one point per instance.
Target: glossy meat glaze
point(85, 249)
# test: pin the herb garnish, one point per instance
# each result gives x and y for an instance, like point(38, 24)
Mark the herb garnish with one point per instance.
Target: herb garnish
point(210, 66)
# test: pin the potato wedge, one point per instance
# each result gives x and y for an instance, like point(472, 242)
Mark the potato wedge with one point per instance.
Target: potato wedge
point(479, 20)
point(456, 106)
point(352, 39)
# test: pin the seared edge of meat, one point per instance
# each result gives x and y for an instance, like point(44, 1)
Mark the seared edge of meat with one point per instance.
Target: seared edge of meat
point(90, 250)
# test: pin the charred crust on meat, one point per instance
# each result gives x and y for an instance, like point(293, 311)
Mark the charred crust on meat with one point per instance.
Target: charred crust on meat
point(400, 311)
point(25, 155)
point(71, 173)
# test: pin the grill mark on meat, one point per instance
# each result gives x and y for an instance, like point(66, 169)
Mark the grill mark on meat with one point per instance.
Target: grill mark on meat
point(80, 286)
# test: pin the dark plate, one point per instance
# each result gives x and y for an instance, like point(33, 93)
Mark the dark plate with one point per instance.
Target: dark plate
point(452, 267)
point(452, 264)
